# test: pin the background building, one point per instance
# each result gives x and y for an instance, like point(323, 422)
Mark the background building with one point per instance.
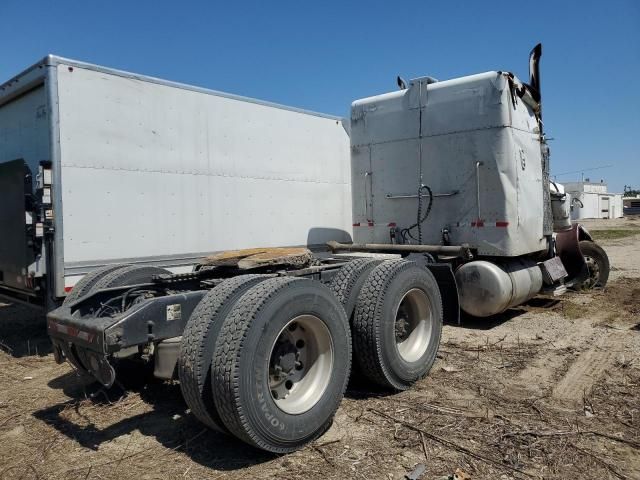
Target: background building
point(595, 201)
point(631, 205)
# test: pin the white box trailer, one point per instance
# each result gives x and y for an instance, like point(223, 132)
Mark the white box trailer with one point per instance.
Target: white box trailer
point(141, 170)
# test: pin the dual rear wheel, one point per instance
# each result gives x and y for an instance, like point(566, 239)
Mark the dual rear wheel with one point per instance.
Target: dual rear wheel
point(268, 359)
point(397, 324)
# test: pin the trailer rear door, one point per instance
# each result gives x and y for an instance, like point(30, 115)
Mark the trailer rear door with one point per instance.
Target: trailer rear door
point(24, 142)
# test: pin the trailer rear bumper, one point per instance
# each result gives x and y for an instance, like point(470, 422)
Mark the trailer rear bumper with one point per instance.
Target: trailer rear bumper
point(89, 342)
point(81, 343)
point(85, 360)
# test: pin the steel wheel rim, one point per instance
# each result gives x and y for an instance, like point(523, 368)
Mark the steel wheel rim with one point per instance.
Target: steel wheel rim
point(594, 271)
point(300, 364)
point(413, 325)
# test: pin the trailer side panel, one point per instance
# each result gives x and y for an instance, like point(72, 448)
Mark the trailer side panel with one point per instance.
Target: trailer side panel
point(161, 174)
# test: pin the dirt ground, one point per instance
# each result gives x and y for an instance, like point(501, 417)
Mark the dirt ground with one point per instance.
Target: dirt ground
point(548, 390)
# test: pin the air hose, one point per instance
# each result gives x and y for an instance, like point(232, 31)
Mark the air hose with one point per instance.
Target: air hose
point(420, 217)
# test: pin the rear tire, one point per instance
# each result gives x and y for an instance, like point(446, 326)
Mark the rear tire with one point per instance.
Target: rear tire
point(128, 275)
point(259, 351)
point(597, 263)
point(87, 282)
point(198, 346)
point(397, 324)
point(348, 281)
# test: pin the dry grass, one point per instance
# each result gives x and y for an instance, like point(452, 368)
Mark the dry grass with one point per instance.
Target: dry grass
point(614, 234)
point(573, 310)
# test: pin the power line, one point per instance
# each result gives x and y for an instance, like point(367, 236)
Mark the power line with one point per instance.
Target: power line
point(581, 171)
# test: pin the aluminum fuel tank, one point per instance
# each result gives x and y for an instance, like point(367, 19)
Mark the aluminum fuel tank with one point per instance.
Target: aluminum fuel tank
point(487, 288)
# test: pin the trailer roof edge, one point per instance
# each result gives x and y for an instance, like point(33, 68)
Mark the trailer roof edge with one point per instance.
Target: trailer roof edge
point(55, 60)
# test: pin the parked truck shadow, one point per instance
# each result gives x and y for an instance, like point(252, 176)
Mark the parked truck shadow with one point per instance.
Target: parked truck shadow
point(487, 323)
point(536, 304)
point(23, 330)
point(167, 421)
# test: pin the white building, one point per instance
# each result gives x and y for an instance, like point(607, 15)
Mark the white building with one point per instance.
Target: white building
point(594, 200)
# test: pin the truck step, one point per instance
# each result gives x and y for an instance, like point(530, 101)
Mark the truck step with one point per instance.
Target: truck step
point(554, 291)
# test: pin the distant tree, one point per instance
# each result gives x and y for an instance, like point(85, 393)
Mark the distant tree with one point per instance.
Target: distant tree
point(630, 192)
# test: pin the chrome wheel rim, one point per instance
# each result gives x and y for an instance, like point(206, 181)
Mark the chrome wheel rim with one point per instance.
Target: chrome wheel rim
point(413, 325)
point(300, 364)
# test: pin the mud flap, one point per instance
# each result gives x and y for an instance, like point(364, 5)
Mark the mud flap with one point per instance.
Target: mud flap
point(63, 351)
point(98, 366)
point(85, 361)
point(446, 281)
point(448, 291)
point(568, 249)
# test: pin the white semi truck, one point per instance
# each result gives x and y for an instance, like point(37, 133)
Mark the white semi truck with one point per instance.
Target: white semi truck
point(451, 210)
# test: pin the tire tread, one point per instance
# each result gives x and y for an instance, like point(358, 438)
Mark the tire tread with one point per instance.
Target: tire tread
point(194, 368)
point(225, 378)
point(129, 274)
point(225, 371)
point(347, 278)
point(588, 247)
point(368, 321)
point(86, 283)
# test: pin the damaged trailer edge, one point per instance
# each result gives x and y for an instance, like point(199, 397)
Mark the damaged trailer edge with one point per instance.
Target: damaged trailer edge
point(262, 340)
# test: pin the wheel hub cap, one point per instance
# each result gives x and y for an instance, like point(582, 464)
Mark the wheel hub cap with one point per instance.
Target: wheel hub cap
point(413, 325)
point(300, 364)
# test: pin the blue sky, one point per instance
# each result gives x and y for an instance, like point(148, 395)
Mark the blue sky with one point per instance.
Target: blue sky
point(323, 55)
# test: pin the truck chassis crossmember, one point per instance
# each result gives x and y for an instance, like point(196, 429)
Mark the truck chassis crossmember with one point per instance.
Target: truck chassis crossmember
point(159, 310)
